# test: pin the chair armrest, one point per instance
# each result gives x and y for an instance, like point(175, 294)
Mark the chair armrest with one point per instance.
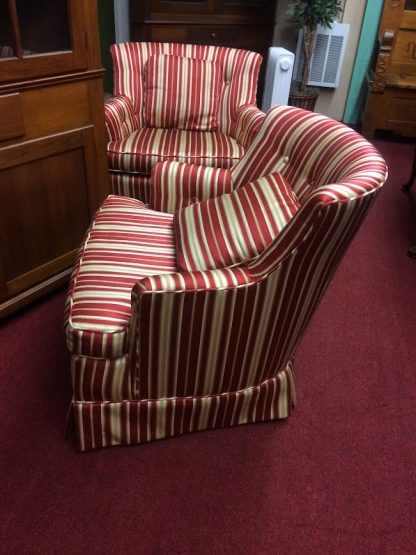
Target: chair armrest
point(120, 119)
point(180, 323)
point(174, 185)
point(203, 280)
point(247, 124)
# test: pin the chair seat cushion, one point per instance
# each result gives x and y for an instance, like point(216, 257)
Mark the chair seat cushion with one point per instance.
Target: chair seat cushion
point(126, 241)
point(141, 150)
point(234, 227)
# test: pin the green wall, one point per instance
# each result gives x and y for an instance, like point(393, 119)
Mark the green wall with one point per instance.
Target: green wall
point(107, 38)
point(358, 85)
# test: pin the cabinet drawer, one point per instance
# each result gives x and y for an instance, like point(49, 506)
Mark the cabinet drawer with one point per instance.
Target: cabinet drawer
point(402, 108)
point(210, 34)
point(256, 38)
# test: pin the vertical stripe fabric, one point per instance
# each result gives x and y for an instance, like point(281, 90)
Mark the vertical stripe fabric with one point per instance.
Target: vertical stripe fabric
point(141, 150)
point(240, 69)
point(181, 93)
point(175, 185)
point(247, 124)
point(136, 186)
point(203, 349)
point(224, 89)
point(120, 118)
point(135, 422)
point(235, 227)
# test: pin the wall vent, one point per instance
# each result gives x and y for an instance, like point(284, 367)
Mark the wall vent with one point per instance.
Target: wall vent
point(327, 58)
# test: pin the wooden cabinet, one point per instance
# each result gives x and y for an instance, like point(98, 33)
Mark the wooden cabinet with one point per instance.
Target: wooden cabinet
point(247, 24)
point(391, 102)
point(53, 170)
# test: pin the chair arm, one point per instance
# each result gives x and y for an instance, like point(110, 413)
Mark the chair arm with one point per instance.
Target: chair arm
point(174, 185)
point(120, 119)
point(247, 124)
point(182, 328)
point(204, 280)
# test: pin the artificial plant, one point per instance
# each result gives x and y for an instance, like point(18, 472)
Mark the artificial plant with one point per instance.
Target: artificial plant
point(307, 15)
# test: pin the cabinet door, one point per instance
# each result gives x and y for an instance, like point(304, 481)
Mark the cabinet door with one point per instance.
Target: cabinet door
point(403, 56)
point(45, 207)
point(41, 38)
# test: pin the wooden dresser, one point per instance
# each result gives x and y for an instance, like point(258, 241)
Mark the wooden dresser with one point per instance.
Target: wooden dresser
point(391, 102)
point(247, 24)
point(53, 170)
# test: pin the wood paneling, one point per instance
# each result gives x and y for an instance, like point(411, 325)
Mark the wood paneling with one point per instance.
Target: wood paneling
point(53, 169)
point(392, 90)
point(212, 22)
point(37, 196)
point(11, 117)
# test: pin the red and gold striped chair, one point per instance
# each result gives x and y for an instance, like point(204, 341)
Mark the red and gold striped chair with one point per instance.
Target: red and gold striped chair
point(158, 351)
point(154, 117)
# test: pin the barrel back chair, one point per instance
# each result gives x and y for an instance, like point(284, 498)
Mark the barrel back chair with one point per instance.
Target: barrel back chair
point(146, 80)
point(158, 351)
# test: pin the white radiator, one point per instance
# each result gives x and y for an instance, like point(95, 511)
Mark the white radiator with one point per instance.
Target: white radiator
point(278, 77)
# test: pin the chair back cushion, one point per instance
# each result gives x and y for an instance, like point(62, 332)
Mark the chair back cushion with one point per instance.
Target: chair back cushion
point(234, 227)
point(238, 75)
point(181, 93)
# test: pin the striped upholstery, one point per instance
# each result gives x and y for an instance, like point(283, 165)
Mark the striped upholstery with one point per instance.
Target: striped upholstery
point(181, 93)
point(135, 186)
point(142, 149)
point(125, 242)
point(235, 227)
point(240, 69)
point(215, 348)
point(135, 149)
point(186, 183)
point(298, 144)
point(120, 118)
point(247, 124)
point(132, 422)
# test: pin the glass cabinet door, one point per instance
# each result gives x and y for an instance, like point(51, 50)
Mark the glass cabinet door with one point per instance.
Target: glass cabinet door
point(43, 26)
point(7, 49)
point(30, 32)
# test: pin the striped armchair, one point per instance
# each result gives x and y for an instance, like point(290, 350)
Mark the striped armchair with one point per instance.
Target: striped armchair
point(158, 351)
point(141, 117)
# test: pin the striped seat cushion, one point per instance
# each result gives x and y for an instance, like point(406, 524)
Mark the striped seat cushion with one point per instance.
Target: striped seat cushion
point(235, 227)
point(141, 150)
point(126, 241)
point(181, 93)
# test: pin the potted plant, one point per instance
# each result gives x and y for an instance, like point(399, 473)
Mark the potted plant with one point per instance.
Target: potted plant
point(307, 15)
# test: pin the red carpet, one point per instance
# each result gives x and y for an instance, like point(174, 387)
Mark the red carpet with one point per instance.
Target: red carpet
point(338, 477)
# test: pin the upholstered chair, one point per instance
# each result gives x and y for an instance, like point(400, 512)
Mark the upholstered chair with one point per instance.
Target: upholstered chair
point(186, 315)
point(178, 102)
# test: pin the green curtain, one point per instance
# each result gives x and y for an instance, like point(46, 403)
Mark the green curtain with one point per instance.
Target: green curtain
point(107, 38)
point(363, 59)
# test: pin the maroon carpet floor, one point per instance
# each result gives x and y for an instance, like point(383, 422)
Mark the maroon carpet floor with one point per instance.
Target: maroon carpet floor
point(338, 477)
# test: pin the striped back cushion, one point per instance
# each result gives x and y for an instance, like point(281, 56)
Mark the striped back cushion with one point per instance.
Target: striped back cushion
point(235, 227)
point(239, 74)
point(181, 93)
